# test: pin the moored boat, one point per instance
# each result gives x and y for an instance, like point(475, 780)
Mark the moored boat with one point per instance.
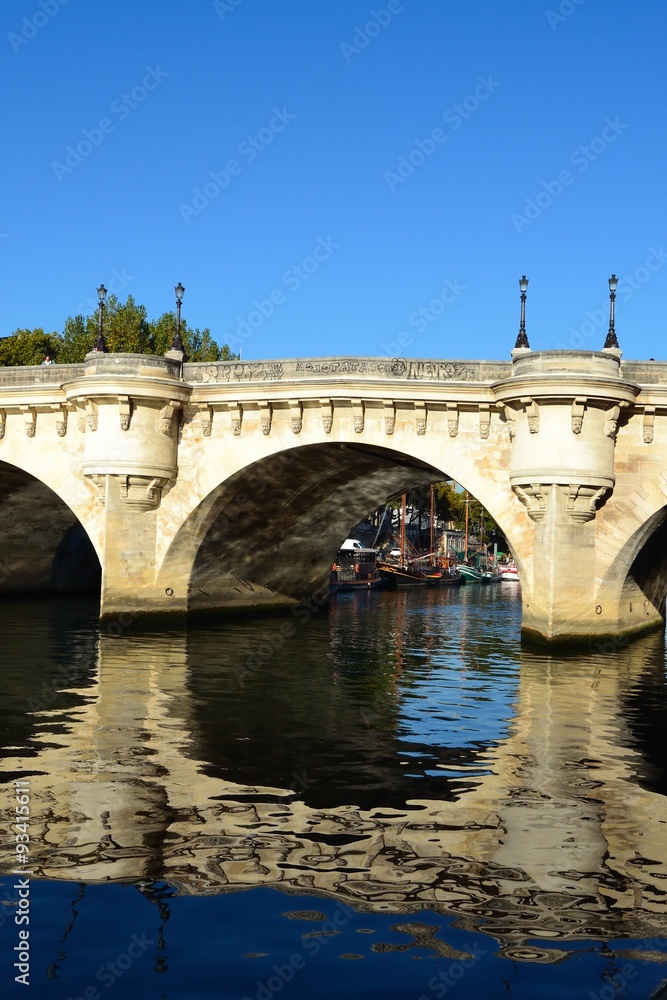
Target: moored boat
point(395, 575)
point(439, 571)
point(508, 571)
point(355, 569)
point(470, 574)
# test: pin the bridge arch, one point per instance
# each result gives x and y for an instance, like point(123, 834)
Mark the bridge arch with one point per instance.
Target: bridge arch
point(264, 535)
point(44, 547)
point(640, 563)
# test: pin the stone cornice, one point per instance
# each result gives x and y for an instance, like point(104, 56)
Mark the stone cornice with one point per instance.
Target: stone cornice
point(138, 387)
point(566, 386)
point(466, 395)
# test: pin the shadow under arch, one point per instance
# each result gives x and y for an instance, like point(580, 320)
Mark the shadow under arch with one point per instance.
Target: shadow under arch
point(44, 548)
point(266, 535)
point(642, 565)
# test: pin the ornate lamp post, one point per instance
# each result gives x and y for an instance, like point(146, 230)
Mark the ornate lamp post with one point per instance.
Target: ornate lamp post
point(100, 344)
point(177, 343)
point(522, 339)
point(612, 339)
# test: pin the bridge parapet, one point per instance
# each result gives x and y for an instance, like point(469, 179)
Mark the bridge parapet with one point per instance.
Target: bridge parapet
point(331, 370)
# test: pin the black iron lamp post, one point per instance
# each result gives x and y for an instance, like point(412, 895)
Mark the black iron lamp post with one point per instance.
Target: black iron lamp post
point(177, 343)
point(612, 339)
point(100, 344)
point(522, 339)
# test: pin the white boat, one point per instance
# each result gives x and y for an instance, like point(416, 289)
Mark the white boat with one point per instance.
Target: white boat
point(509, 572)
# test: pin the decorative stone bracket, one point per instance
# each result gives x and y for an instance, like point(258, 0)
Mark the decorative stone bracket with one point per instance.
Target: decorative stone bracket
point(296, 415)
point(3, 422)
point(581, 502)
point(389, 416)
point(420, 418)
point(205, 418)
point(265, 415)
point(30, 418)
point(612, 418)
point(358, 415)
point(91, 414)
point(124, 412)
point(141, 492)
point(509, 416)
point(81, 415)
point(100, 483)
point(138, 492)
point(452, 419)
point(326, 407)
point(532, 411)
point(484, 420)
point(236, 414)
point(649, 424)
point(60, 413)
point(577, 415)
point(534, 498)
point(167, 416)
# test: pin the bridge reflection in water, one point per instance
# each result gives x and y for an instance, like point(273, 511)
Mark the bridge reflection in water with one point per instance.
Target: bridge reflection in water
point(382, 756)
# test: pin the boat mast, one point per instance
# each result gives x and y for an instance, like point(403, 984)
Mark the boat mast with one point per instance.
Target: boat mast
point(432, 513)
point(404, 500)
point(465, 552)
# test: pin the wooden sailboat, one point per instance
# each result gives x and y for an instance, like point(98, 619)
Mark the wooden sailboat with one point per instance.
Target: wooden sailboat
point(401, 572)
point(440, 570)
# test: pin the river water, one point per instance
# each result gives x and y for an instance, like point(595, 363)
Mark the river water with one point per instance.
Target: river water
point(393, 799)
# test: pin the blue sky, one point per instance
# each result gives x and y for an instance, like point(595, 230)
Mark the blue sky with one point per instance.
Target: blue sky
point(325, 176)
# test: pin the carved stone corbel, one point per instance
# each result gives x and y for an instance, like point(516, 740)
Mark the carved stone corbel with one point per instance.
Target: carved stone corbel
point(358, 415)
point(236, 414)
point(167, 416)
point(649, 424)
point(389, 416)
point(124, 412)
point(420, 418)
point(453, 419)
point(296, 415)
point(30, 418)
point(142, 492)
point(81, 416)
point(484, 420)
point(611, 421)
point(91, 414)
point(265, 415)
point(60, 413)
point(582, 501)
point(3, 422)
point(534, 498)
point(577, 416)
point(100, 483)
point(326, 407)
point(532, 410)
point(205, 418)
point(509, 416)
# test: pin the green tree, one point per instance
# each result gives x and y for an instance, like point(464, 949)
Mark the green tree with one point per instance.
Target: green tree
point(202, 346)
point(199, 344)
point(127, 330)
point(29, 347)
point(78, 338)
point(126, 327)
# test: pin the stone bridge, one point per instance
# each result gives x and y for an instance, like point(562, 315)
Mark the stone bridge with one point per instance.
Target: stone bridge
point(230, 485)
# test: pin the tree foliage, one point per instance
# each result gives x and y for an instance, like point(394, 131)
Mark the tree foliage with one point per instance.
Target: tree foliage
point(450, 507)
point(29, 347)
point(127, 329)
